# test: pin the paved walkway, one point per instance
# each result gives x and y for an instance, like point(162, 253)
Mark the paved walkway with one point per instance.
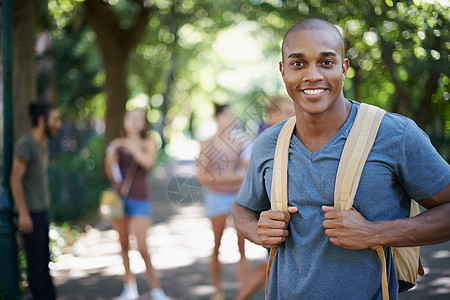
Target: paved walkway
point(180, 243)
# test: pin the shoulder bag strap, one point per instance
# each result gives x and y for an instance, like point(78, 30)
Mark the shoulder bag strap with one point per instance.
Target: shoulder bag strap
point(126, 185)
point(278, 193)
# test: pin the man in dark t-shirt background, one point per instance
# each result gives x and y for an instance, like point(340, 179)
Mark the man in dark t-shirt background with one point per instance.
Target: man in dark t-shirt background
point(30, 191)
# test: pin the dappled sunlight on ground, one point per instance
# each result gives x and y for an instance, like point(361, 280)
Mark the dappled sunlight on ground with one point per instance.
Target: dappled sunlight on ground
point(177, 244)
point(180, 244)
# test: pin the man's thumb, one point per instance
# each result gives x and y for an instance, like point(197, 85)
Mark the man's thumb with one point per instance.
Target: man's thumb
point(326, 208)
point(293, 209)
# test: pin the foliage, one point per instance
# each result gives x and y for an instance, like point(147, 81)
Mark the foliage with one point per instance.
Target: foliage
point(76, 181)
point(62, 237)
point(397, 49)
point(68, 64)
point(196, 52)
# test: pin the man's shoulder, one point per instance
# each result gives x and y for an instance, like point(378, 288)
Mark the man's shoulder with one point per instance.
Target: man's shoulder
point(392, 122)
point(395, 125)
point(264, 145)
point(26, 138)
point(25, 141)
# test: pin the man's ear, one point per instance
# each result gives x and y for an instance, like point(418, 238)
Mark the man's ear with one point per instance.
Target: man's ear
point(281, 67)
point(345, 66)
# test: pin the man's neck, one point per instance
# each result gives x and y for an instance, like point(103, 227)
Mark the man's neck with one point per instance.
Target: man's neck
point(39, 135)
point(314, 131)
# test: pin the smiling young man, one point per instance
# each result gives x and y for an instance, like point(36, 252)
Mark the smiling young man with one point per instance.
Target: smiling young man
point(325, 254)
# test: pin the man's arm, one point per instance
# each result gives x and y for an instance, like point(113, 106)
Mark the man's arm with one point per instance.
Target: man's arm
point(19, 168)
point(350, 230)
point(266, 229)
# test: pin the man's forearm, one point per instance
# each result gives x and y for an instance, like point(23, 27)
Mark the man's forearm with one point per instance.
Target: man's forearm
point(246, 222)
point(429, 227)
point(18, 196)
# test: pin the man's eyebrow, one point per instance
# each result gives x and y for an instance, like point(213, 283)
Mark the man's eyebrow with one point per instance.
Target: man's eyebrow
point(328, 53)
point(299, 54)
point(296, 55)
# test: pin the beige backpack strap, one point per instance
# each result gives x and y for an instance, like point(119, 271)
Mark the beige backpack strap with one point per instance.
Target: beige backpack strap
point(278, 194)
point(354, 155)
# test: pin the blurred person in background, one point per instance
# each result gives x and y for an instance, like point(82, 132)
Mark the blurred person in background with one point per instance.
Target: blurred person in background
point(30, 190)
point(135, 154)
point(218, 165)
point(279, 109)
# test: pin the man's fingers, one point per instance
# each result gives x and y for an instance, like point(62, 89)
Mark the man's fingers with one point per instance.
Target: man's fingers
point(271, 232)
point(268, 242)
point(328, 224)
point(272, 224)
point(275, 215)
point(327, 208)
point(26, 229)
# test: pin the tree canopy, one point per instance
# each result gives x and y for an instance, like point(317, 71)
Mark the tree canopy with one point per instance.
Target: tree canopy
point(190, 53)
point(95, 58)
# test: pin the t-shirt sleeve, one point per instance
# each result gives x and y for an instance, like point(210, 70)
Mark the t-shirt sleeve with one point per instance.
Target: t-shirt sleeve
point(421, 169)
point(252, 193)
point(22, 150)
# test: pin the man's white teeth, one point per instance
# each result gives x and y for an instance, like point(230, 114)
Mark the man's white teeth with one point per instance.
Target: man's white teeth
point(313, 92)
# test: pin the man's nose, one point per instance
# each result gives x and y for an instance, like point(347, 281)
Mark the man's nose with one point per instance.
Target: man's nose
point(313, 73)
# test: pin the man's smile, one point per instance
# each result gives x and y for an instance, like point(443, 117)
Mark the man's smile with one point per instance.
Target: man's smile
point(313, 91)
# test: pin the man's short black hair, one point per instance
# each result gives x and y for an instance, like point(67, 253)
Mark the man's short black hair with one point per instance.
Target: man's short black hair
point(313, 23)
point(36, 110)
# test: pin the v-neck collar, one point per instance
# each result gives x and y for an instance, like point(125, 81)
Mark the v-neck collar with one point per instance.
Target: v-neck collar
point(344, 131)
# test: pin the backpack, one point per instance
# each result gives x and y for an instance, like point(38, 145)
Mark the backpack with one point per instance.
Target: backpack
point(353, 158)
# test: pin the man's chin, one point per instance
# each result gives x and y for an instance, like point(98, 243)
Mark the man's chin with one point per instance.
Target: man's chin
point(52, 135)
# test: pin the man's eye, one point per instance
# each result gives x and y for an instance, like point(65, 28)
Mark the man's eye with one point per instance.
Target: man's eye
point(297, 63)
point(327, 62)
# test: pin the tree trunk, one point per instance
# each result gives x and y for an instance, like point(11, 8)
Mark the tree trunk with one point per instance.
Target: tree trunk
point(23, 69)
point(115, 44)
point(116, 93)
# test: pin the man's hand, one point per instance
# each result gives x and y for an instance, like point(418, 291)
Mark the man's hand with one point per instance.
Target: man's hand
point(25, 223)
point(348, 228)
point(272, 226)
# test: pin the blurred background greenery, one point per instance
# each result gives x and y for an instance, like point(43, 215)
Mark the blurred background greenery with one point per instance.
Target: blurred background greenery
point(94, 58)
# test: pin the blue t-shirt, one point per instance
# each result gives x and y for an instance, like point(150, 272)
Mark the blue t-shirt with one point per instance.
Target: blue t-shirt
point(402, 165)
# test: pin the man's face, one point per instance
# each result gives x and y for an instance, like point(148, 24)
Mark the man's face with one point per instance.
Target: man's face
point(313, 69)
point(53, 124)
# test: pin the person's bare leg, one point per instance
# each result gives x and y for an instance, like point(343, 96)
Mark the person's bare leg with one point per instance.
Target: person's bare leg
point(254, 281)
point(121, 225)
point(218, 226)
point(139, 226)
point(242, 267)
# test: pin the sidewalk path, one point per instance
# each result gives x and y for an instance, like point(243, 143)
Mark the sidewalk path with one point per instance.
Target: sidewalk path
point(180, 242)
